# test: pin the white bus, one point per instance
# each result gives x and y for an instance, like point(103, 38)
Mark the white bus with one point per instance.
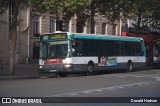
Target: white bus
point(65, 52)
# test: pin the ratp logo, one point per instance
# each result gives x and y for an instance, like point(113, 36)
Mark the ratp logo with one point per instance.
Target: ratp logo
point(45, 38)
point(6, 100)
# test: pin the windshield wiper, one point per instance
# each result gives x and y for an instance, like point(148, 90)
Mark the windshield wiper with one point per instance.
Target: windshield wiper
point(43, 58)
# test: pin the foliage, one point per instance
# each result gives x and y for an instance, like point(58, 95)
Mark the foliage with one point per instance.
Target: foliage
point(154, 19)
point(61, 9)
point(3, 6)
point(147, 13)
point(12, 29)
point(114, 9)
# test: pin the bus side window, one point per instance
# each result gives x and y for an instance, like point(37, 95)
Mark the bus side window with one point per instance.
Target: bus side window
point(120, 51)
point(138, 50)
point(128, 49)
point(77, 48)
point(110, 48)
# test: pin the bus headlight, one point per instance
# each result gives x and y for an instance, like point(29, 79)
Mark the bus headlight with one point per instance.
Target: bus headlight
point(40, 67)
point(68, 66)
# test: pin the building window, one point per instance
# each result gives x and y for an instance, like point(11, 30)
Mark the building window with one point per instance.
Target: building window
point(36, 26)
point(79, 27)
point(114, 29)
point(103, 28)
point(11, 11)
point(95, 28)
point(59, 25)
point(88, 26)
point(52, 24)
point(66, 26)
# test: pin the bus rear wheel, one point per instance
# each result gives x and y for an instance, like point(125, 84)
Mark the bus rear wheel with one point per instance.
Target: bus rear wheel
point(129, 66)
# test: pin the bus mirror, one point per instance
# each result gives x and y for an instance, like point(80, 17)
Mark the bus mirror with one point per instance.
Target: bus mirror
point(73, 50)
point(73, 42)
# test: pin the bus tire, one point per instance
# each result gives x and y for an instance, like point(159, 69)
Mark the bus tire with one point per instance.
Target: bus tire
point(62, 74)
point(90, 69)
point(129, 66)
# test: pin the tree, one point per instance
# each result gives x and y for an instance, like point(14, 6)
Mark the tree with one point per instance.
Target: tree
point(63, 9)
point(147, 13)
point(60, 9)
point(12, 31)
point(3, 6)
point(142, 10)
point(93, 6)
point(154, 19)
point(91, 9)
point(84, 9)
point(111, 9)
point(114, 10)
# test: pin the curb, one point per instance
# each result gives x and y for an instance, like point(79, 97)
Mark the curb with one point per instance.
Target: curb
point(17, 77)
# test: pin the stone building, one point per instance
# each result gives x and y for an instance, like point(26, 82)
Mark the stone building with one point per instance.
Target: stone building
point(23, 34)
point(27, 49)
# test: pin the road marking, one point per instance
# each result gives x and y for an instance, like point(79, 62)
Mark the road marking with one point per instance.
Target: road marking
point(73, 94)
point(137, 75)
point(99, 90)
point(157, 78)
point(87, 91)
point(120, 87)
point(102, 89)
point(109, 88)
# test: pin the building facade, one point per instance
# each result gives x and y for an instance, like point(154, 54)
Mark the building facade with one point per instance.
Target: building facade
point(27, 49)
point(23, 34)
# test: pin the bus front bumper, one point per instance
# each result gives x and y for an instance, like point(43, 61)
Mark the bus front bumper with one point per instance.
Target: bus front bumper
point(56, 68)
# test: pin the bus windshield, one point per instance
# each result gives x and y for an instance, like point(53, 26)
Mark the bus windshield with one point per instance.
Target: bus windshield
point(52, 50)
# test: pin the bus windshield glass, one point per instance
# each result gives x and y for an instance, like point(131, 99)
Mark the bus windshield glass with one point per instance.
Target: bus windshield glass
point(52, 50)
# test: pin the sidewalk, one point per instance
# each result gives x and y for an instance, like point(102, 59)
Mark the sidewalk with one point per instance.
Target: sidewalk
point(22, 71)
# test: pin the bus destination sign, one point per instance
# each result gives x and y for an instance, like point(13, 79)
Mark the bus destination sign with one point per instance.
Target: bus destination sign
point(55, 36)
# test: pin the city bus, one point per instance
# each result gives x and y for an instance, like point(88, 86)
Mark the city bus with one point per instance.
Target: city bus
point(65, 52)
point(156, 52)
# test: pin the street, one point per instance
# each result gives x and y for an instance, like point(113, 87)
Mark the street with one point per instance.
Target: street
point(144, 83)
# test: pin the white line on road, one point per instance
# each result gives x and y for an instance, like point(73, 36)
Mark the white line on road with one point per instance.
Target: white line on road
point(102, 89)
point(137, 75)
point(157, 78)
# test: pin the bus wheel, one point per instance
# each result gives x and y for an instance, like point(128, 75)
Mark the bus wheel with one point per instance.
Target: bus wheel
point(129, 66)
point(90, 69)
point(62, 74)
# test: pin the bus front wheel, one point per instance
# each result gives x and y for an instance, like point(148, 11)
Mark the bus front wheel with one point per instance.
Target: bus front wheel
point(62, 74)
point(129, 66)
point(90, 69)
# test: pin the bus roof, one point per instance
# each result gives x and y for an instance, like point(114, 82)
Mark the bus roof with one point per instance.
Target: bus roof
point(105, 37)
point(98, 36)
